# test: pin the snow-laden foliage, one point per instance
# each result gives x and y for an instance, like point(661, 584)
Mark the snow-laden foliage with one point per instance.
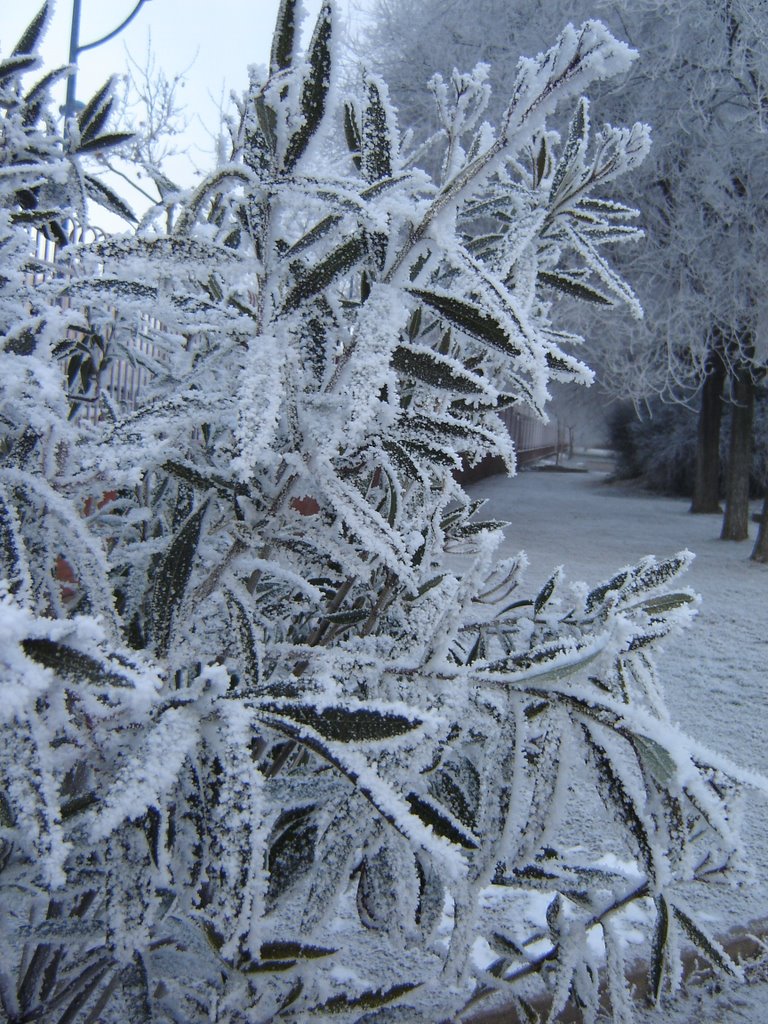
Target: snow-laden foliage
point(701, 84)
point(283, 737)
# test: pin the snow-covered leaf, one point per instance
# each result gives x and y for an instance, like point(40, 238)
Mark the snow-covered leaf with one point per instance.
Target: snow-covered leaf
point(74, 665)
point(314, 87)
point(573, 286)
point(710, 947)
point(283, 38)
point(436, 370)
point(172, 577)
point(472, 319)
point(344, 723)
point(442, 823)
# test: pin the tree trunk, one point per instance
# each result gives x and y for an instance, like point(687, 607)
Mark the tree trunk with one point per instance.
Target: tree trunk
point(706, 484)
point(760, 550)
point(736, 518)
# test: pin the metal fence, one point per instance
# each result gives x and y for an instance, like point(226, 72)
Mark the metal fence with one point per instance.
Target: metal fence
point(533, 439)
point(122, 379)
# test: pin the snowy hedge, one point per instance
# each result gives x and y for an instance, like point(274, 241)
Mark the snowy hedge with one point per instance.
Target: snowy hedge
point(290, 742)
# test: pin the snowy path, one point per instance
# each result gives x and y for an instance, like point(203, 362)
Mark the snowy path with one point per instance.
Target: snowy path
point(717, 681)
point(716, 675)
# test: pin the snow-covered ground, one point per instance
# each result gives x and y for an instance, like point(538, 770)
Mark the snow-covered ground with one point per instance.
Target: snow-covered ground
point(715, 676)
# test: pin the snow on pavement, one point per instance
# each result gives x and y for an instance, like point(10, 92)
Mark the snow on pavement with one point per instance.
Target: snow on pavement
point(716, 679)
point(715, 676)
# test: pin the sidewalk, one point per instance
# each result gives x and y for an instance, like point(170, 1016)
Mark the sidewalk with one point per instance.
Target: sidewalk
point(714, 675)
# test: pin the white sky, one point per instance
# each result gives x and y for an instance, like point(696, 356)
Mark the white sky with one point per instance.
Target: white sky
point(218, 38)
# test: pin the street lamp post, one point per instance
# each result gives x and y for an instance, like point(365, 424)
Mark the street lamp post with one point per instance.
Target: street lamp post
point(75, 49)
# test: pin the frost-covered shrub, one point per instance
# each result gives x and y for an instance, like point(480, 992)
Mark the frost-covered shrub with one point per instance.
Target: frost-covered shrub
point(298, 746)
point(658, 446)
point(620, 422)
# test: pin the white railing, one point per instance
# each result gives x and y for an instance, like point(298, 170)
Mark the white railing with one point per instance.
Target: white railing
point(122, 379)
point(125, 380)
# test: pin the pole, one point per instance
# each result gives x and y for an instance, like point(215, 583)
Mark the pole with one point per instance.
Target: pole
point(74, 50)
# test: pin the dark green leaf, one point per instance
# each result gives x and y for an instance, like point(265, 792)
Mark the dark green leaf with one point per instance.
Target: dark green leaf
point(456, 785)
point(342, 723)
point(37, 217)
point(430, 453)
point(470, 319)
point(367, 1001)
point(658, 948)
point(561, 363)
point(214, 937)
point(575, 143)
point(39, 90)
point(439, 427)
point(429, 912)
point(73, 664)
point(545, 594)
point(656, 759)
point(248, 966)
point(292, 850)
point(649, 574)
point(338, 262)
point(599, 594)
point(400, 458)
point(393, 500)
point(112, 286)
point(352, 134)
point(377, 140)
point(328, 223)
point(172, 577)
point(293, 951)
point(12, 555)
point(414, 324)
point(205, 481)
point(711, 949)
point(501, 944)
point(14, 66)
point(249, 647)
point(573, 286)
point(281, 55)
point(377, 888)
point(477, 650)
point(606, 208)
point(260, 145)
point(135, 986)
point(77, 805)
point(6, 814)
point(666, 603)
point(435, 370)
point(430, 813)
point(348, 618)
point(87, 984)
point(315, 86)
point(472, 529)
point(426, 587)
point(33, 33)
point(320, 230)
point(100, 142)
point(541, 162)
point(94, 108)
point(293, 995)
point(617, 796)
